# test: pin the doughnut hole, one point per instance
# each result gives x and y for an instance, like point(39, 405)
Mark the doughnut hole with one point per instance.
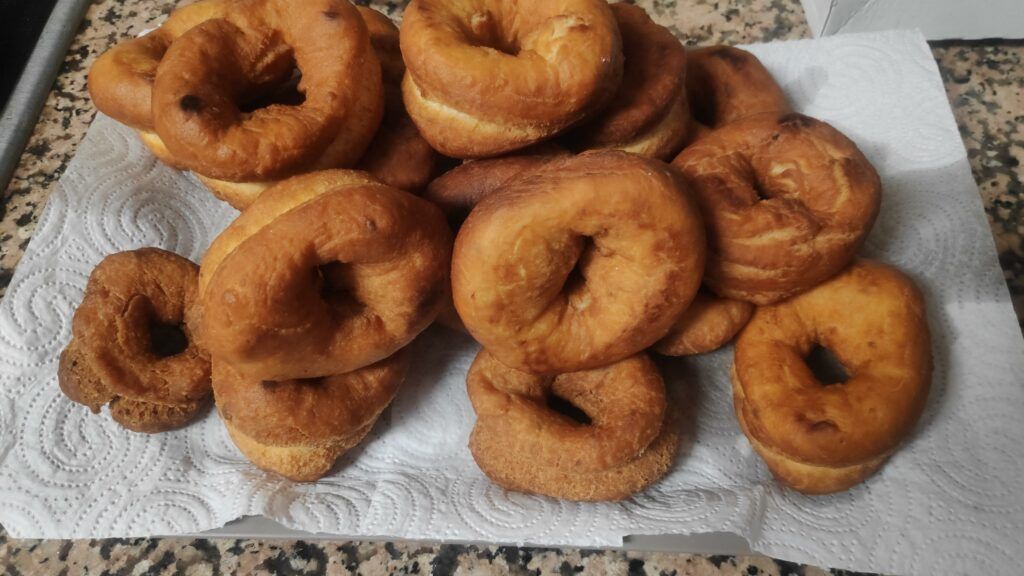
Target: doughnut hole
point(337, 289)
point(166, 340)
point(485, 29)
point(825, 366)
point(285, 93)
point(568, 409)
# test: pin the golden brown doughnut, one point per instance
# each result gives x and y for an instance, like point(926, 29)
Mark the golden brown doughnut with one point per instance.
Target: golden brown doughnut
point(490, 76)
point(299, 428)
point(724, 84)
point(787, 200)
point(649, 114)
point(584, 262)
point(366, 116)
point(79, 382)
point(707, 324)
point(398, 155)
point(132, 342)
point(624, 403)
point(121, 80)
point(324, 274)
point(514, 470)
point(819, 438)
point(458, 190)
point(206, 73)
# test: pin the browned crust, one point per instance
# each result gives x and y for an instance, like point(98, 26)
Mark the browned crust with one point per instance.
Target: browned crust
point(787, 199)
point(625, 402)
point(725, 84)
point(307, 412)
point(80, 384)
point(472, 90)
point(195, 96)
point(127, 294)
point(707, 324)
point(622, 221)
point(652, 81)
point(872, 318)
point(458, 190)
point(515, 470)
point(121, 79)
point(379, 254)
point(301, 463)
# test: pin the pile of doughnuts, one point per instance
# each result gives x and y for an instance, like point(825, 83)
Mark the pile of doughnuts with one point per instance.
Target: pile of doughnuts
point(614, 194)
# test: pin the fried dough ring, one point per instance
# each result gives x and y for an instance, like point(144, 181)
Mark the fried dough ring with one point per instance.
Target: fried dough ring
point(624, 401)
point(581, 263)
point(125, 348)
point(299, 428)
point(121, 80)
point(649, 114)
point(324, 274)
point(820, 439)
point(708, 323)
point(490, 76)
point(208, 70)
point(398, 155)
point(371, 114)
point(458, 190)
point(787, 199)
point(725, 84)
point(514, 470)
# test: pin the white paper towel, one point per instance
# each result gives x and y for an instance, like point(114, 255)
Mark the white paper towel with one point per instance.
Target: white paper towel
point(949, 501)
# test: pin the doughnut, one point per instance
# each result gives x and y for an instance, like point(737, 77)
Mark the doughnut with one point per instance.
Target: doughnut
point(398, 155)
point(624, 402)
point(393, 139)
point(787, 200)
point(820, 437)
point(299, 428)
point(121, 80)
point(724, 84)
point(707, 324)
point(489, 76)
point(584, 262)
point(197, 97)
point(324, 274)
point(649, 114)
point(513, 471)
point(458, 190)
point(132, 344)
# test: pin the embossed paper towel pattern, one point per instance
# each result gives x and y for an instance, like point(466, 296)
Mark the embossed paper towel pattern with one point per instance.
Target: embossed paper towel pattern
point(952, 498)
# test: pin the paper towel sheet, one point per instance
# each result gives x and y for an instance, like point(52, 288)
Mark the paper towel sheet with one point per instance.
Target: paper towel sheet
point(951, 500)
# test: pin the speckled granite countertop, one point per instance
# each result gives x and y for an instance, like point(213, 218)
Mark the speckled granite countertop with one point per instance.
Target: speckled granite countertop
point(985, 83)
